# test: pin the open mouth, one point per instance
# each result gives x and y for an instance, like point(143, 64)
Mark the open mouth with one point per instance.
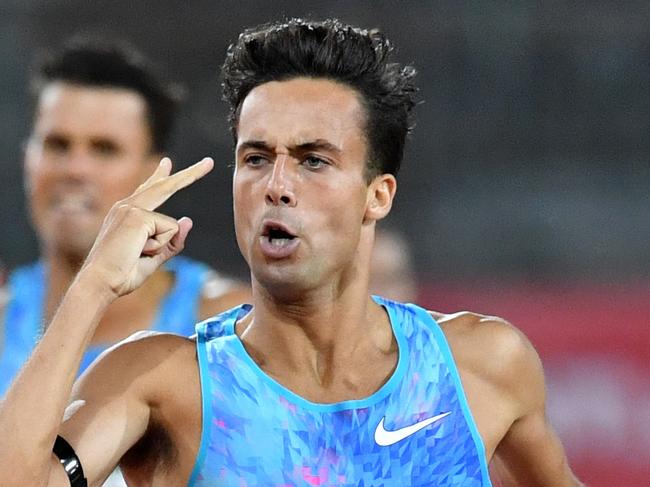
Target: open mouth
point(72, 202)
point(278, 241)
point(277, 235)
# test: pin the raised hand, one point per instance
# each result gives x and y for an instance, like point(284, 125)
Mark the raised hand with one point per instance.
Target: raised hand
point(134, 239)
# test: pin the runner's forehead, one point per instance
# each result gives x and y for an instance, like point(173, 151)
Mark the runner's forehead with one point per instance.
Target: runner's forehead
point(301, 111)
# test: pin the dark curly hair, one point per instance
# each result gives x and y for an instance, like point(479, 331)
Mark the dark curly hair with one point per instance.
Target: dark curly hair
point(94, 62)
point(332, 50)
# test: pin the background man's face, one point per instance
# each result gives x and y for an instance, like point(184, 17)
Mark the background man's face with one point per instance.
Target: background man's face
point(89, 148)
point(301, 154)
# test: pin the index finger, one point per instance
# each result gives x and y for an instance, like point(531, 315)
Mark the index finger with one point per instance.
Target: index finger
point(155, 192)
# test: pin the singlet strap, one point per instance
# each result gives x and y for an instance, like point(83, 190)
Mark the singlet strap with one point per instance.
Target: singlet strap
point(426, 318)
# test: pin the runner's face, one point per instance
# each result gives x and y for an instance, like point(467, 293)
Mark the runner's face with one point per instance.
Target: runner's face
point(89, 148)
point(300, 196)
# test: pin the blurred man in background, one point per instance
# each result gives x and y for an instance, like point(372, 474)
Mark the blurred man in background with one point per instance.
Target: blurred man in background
point(102, 122)
point(3, 301)
point(3, 274)
point(391, 267)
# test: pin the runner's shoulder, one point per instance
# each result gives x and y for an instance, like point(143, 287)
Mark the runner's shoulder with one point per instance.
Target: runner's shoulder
point(155, 361)
point(490, 347)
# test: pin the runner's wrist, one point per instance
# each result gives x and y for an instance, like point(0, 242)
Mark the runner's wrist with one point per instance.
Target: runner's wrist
point(90, 286)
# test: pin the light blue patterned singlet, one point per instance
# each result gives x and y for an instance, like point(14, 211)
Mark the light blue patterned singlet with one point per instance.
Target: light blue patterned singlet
point(416, 430)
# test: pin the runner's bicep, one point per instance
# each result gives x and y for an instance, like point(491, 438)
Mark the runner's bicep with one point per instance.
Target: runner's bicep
point(531, 454)
point(106, 416)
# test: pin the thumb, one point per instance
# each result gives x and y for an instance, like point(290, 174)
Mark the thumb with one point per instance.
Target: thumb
point(163, 231)
point(177, 243)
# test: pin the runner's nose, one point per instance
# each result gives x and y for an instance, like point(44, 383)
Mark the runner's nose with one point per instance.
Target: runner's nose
point(279, 189)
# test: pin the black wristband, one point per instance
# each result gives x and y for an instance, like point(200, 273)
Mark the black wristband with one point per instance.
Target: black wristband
point(70, 461)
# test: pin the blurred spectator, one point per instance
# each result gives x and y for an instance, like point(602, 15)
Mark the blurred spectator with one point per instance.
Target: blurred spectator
point(102, 122)
point(391, 268)
point(4, 296)
point(3, 274)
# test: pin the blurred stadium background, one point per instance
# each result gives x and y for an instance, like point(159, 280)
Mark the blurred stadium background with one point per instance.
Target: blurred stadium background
point(524, 193)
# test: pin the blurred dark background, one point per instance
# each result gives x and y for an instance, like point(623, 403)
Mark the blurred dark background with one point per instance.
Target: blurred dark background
point(528, 169)
point(530, 158)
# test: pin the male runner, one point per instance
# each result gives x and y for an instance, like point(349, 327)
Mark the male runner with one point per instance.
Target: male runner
point(317, 383)
point(101, 123)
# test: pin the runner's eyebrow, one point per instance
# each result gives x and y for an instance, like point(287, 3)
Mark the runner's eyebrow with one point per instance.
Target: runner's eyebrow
point(317, 144)
point(254, 144)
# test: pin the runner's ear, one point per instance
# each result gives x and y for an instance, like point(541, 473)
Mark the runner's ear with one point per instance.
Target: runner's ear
point(381, 192)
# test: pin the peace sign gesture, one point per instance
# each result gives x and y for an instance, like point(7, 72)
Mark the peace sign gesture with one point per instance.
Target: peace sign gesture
point(134, 239)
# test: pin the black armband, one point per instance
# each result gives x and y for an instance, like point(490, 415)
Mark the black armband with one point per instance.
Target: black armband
point(70, 461)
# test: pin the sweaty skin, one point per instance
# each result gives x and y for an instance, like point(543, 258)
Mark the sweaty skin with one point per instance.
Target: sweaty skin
point(300, 156)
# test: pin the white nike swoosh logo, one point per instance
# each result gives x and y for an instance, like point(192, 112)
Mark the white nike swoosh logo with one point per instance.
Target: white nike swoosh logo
point(386, 438)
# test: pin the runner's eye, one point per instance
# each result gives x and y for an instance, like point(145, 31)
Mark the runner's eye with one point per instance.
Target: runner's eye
point(255, 160)
point(314, 162)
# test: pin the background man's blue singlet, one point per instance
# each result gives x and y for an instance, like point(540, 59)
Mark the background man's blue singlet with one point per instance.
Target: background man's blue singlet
point(416, 430)
point(23, 316)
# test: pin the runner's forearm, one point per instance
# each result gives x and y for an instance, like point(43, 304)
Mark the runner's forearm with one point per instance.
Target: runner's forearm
point(32, 411)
